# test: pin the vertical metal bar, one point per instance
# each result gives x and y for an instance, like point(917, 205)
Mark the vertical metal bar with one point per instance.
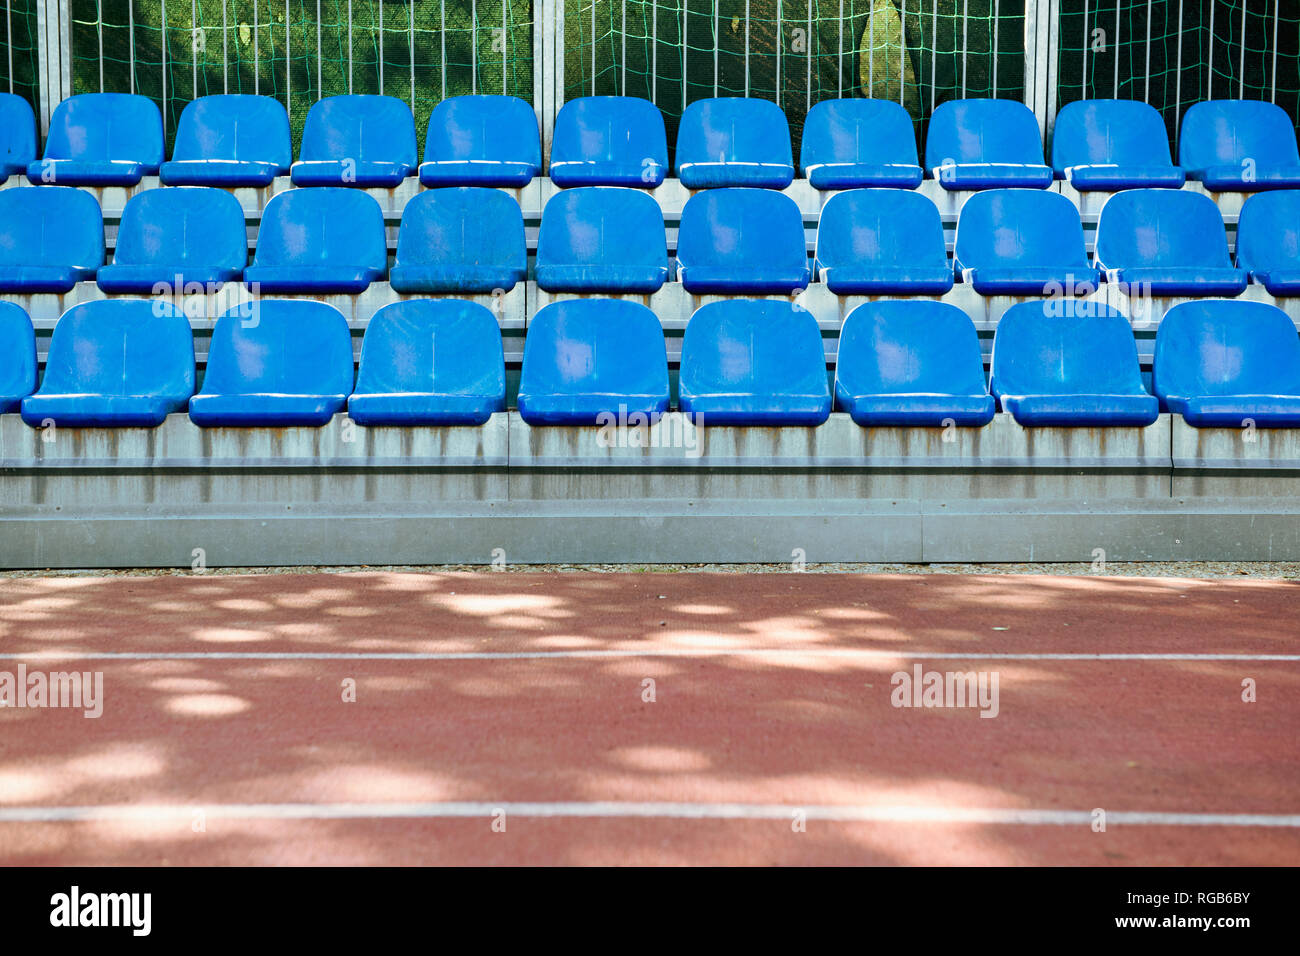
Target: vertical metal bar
point(746, 47)
point(130, 22)
point(162, 43)
point(410, 28)
point(871, 49)
point(442, 36)
point(780, 49)
point(257, 73)
point(839, 68)
point(9, 42)
point(349, 46)
point(320, 85)
point(1083, 84)
point(622, 77)
point(996, 17)
point(1146, 91)
point(1209, 59)
point(808, 50)
point(194, 50)
point(473, 45)
point(685, 47)
point(288, 64)
point(965, 20)
point(1178, 75)
point(1117, 6)
point(380, 5)
point(505, 36)
point(717, 42)
point(225, 47)
point(99, 30)
point(902, 53)
point(654, 51)
point(1277, 7)
point(934, 47)
point(593, 47)
point(1241, 62)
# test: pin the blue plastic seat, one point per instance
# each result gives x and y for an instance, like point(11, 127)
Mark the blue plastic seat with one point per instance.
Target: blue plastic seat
point(17, 356)
point(1268, 240)
point(327, 240)
point(17, 135)
point(1022, 242)
point(734, 141)
point(609, 141)
point(855, 143)
point(115, 363)
point(430, 362)
point(909, 364)
point(355, 140)
point(51, 238)
point(101, 139)
point(882, 242)
point(753, 362)
point(1069, 362)
point(482, 141)
point(1239, 146)
point(593, 361)
point(602, 239)
point(276, 362)
point(1109, 145)
point(234, 139)
point(1219, 363)
point(1171, 242)
point(985, 144)
point(742, 241)
point(177, 237)
point(465, 240)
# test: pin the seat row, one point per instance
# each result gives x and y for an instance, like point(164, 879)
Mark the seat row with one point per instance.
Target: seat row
point(609, 240)
point(1065, 362)
point(101, 139)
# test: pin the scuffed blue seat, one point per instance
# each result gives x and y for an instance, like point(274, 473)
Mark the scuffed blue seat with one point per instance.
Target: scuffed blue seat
point(17, 356)
point(465, 240)
point(276, 362)
point(602, 239)
point(1170, 242)
point(1109, 145)
point(229, 140)
point(985, 144)
point(355, 140)
point(753, 362)
point(1069, 362)
point(911, 364)
point(1022, 242)
point(327, 240)
point(609, 141)
point(101, 139)
point(430, 362)
point(1219, 363)
point(51, 238)
point(482, 141)
point(1268, 240)
point(734, 241)
point(17, 135)
point(177, 237)
point(855, 143)
point(882, 242)
point(593, 361)
point(1239, 146)
point(734, 141)
point(115, 363)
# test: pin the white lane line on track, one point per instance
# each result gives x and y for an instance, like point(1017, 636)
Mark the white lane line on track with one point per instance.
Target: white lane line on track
point(616, 810)
point(595, 654)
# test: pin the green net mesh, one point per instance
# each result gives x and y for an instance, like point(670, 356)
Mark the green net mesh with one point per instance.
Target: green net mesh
point(18, 61)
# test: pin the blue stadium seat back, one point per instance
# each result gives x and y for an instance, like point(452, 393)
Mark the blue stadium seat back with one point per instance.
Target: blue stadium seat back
point(355, 140)
point(17, 135)
point(177, 237)
point(17, 356)
point(911, 363)
point(1171, 242)
point(115, 363)
point(734, 141)
point(1069, 362)
point(609, 141)
point(1239, 146)
point(1268, 240)
point(276, 363)
point(742, 241)
point(234, 139)
point(882, 242)
point(985, 144)
point(602, 239)
point(1022, 242)
point(430, 362)
point(101, 139)
point(593, 362)
point(753, 362)
point(482, 141)
point(1109, 145)
point(51, 238)
point(1219, 363)
point(467, 239)
point(327, 240)
point(859, 143)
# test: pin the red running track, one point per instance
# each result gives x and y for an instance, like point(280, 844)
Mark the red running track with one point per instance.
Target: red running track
point(504, 718)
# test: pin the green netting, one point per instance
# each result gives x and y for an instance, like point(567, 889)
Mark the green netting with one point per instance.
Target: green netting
point(795, 52)
point(1173, 53)
point(18, 60)
point(175, 50)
